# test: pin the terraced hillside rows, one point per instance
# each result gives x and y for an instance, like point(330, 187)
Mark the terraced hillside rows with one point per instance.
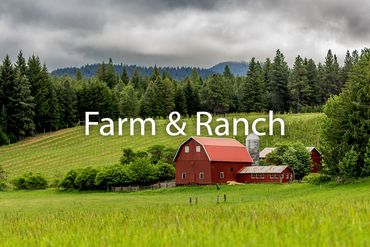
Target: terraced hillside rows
point(52, 154)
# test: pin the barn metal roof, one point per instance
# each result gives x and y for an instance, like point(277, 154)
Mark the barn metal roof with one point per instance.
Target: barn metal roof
point(222, 149)
point(262, 169)
point(268, 150)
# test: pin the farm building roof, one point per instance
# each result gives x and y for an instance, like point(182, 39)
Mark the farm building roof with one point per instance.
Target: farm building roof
point(268, 150)
point(262, 169)
point(222, 149)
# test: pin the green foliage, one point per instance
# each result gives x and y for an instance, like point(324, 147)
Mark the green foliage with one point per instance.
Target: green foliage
point(294, 155)
point(128, 104)
point(30, 181)
point(68, 182)
point(85, 179)
point(214, 95)
point(143, 171)
point(3, 177)
point(346, 128)
point(165, 171)
point(280, 98)
point(316, 178)
point(116, 175)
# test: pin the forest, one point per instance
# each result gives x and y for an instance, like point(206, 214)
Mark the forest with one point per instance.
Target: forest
point(32, 101)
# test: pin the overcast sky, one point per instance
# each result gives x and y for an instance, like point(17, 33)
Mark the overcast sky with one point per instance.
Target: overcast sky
point(167, 32)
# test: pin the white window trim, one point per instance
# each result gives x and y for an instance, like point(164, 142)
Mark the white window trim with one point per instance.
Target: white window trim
point(183, 175)
point(187, 149)
point(197, 149)
point(271, 176)
point(262, 176)
point(253, 176)
point(201, 175)
point(222, 175)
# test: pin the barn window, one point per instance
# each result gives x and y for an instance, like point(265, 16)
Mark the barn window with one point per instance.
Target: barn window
point(183, 175)
point(222, 175)
point(276, 176)
point(197, 149)
point(187, 149)
point(253, 175)
point(282, 175)
point(287, 176)
point(231, 169)
point(271, 176)
point(262, 176)
point(257, 176)
point(201, 175)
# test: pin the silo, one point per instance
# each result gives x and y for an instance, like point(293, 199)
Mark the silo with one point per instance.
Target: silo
point(253, 145)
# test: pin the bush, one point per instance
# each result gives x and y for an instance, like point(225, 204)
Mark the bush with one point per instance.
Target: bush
point(68, 182)
point(143, 172)
point(30, 181)
point(85, 179)
point(165, 171)
point(116, 175)
point(316, 178)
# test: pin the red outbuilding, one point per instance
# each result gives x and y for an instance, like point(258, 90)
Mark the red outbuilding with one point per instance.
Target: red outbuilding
point(265, 174)
point(314, 153)
point(207, 160)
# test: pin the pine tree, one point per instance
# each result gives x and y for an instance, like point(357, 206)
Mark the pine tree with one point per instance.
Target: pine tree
point(4, 139)
point(164, 97)
point(214, 95)
point(180, 101)
point(110, 77)
point(280, 100)
point(21, 64)
point(266, 73)
point(128, 102)
point(67, 97)
point(124, 77)
point(148, 104)
point(313, 82)
point(331, 81)
point(348, 63)
point(192, 98)
point(252, 89)
point(300, 91)
point(78, 75)
point(24, 108)
point(227, 73)
point(345, 131)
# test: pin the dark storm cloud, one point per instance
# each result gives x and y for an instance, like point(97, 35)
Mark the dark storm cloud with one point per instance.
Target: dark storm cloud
point(185, 32)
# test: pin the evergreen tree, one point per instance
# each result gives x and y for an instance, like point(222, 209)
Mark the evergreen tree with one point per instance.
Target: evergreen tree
point(4, 139)
point(266, 73)
point(300, 91)
point(164, 97)
point(313, 82)
point(227, 73)
point(124, 77)
point(214, 95)
point(21, 64)
point(79, 76)
point(180, 101)
point(345, 131)
point(192, 98)
point(252, 89)
point(148, 104)
point(128, 104)
point(24, 113)
point(348, 63)
point(195, 79)
point(110, 77)
point(331, 77)
point(280, 100)
point(68, 103)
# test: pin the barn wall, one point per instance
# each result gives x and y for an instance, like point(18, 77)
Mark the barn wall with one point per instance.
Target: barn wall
point(247, 178)
point(192, 164)
point(316, 160)
point(230, 170)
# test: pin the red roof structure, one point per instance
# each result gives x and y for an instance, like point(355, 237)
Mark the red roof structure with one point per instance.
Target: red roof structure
point(222, 149)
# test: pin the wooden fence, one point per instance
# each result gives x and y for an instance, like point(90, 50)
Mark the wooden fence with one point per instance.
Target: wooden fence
point(149, 187)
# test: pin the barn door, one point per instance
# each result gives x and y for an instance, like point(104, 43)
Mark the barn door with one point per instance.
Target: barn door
point(192, 175)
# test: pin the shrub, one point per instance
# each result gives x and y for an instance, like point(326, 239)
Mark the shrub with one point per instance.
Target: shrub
point(165, 171)
point(116, 175)
point(85, 179)
point(143, 172)
point(295, 156)
point(316, 178)
point(68, 182)
point(30, 181)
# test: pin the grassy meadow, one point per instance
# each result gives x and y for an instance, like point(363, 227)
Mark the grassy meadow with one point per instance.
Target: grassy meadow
point(254, 215)
point(53, 154)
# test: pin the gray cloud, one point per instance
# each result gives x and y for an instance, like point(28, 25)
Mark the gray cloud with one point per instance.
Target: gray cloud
point(165, 32)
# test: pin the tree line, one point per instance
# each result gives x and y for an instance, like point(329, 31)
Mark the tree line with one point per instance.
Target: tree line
point(32, 101)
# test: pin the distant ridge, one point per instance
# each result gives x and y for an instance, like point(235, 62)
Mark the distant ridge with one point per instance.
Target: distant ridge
point(177, 73)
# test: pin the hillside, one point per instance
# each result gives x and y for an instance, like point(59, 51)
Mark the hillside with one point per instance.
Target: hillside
point(52, 154)
point(177, 73)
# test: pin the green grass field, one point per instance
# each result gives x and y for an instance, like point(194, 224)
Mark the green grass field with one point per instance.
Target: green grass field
point(254, 215)
point(53, 154)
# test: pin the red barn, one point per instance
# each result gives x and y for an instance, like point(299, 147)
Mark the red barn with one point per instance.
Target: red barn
point(206, 160)
point(315, 157)
point(265, 174)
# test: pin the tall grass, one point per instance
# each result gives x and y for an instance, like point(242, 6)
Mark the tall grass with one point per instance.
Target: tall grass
point(254, 215)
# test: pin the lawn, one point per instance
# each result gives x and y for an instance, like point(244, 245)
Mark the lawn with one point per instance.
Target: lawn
point(53, 154)
point(253, 215)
